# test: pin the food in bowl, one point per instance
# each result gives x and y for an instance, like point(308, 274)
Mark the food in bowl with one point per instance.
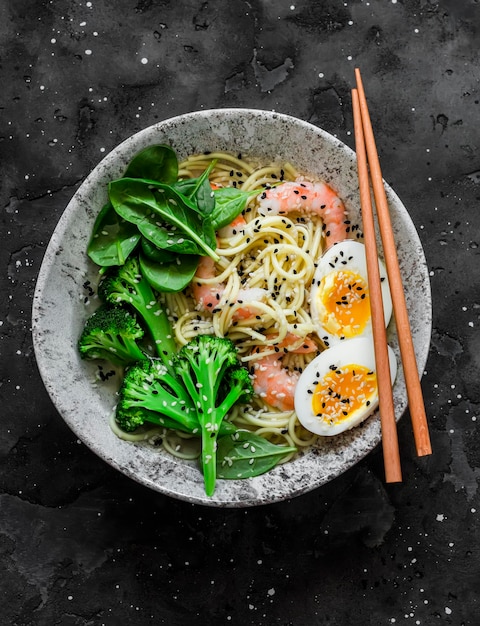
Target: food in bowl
point(212, 275)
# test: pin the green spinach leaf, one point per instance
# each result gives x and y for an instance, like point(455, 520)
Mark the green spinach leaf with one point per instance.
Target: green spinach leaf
point(155, 185)
point(172, 276)
point(162, 216)
point(157, 162)
point(161, 237)
point(199, 190)
point(113, 238)
point(155, 254)
point(229, 202)
point(244, 454)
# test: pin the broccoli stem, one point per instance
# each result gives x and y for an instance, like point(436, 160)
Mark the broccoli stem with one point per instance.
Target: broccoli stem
point(215, 380)
point(202, 370)
point(231, 398)
point(209, 462)
point(156, 320)
point(173, 405)
point(161, 331)
point(127, 285)
point(201, 384)
point(209, 438)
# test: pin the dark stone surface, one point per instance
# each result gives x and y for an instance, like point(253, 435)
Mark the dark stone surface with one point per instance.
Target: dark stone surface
point(80, 543)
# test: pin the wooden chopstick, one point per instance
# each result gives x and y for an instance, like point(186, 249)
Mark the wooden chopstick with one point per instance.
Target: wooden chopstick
point(409, 363)
point(391, 454)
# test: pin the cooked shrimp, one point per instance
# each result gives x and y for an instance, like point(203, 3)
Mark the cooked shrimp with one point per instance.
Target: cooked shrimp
point(208, 295)
point(305, 197)
point(273, 382)
point(295, 344)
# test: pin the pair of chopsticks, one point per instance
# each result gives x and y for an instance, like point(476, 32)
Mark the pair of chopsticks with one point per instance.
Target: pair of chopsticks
point(366, 150)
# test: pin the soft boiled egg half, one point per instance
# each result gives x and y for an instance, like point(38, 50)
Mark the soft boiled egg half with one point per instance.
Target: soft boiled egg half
point(339, 297)
point(338, 389)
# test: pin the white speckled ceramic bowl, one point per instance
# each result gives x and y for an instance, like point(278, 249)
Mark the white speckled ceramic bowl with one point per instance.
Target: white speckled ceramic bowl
point(59, 313)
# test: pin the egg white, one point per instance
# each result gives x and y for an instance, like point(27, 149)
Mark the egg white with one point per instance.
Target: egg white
point(348, 255)
point(359, 352)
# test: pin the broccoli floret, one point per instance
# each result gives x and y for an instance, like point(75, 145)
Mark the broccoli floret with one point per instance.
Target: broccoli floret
point(215, 379)
point(111, 333)
point(192, 391)
point(239, 386)
point(125, 285)
point(150, 393)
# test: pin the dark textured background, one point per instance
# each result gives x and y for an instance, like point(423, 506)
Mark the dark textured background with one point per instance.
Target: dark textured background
point(81, 544)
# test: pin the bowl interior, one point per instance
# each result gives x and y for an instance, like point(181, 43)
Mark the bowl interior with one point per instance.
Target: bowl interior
point(59, 311)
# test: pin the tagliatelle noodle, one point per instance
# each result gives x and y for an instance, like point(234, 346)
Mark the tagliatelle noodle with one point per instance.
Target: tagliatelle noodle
point(274, 253)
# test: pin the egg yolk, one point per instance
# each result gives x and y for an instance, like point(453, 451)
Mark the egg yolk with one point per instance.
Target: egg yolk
point(346, 303)
point(342, 392)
